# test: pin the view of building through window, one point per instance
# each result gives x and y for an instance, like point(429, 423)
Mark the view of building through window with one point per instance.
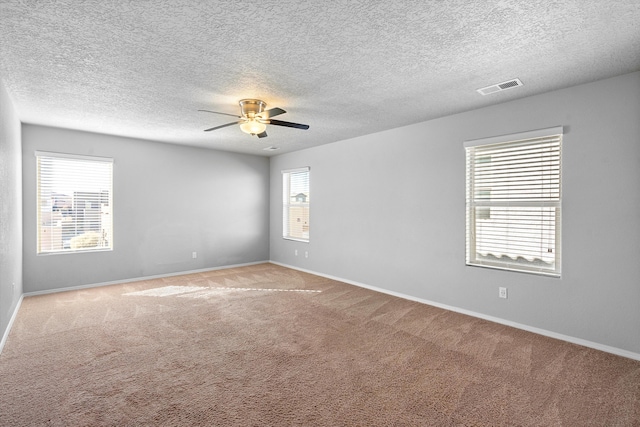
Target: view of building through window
point(74, 203)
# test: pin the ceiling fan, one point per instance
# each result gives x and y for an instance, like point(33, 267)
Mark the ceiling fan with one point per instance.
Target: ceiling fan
point(254, 118)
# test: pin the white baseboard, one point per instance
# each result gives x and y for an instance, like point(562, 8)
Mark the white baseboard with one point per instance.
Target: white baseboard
point(544, 332)
point(13, 318)
point(135, 279)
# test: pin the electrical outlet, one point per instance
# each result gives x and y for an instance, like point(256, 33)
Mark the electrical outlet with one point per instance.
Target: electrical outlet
point(194, 255)
point(295, 252)
point(306, 254)
point(502, 292)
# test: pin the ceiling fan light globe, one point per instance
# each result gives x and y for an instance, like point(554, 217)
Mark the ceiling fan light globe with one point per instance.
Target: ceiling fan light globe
point(253, 127)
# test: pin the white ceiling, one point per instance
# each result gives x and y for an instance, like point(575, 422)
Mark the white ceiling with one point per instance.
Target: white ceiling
point(346, 68)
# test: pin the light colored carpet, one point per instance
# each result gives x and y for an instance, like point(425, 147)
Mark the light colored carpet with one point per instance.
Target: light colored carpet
point(267, 346)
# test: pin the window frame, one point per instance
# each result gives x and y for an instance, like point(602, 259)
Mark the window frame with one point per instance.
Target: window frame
point(286, 203)
point(510, 205)
point(57, 160)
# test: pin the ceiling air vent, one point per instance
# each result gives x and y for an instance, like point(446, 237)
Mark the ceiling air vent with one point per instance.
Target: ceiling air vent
point(500, 87)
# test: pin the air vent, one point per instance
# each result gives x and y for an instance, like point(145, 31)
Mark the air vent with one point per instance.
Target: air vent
point(500, 87)
point(272, 148)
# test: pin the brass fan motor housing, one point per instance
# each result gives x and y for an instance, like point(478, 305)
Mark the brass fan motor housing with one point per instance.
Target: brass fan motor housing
point(251, 107)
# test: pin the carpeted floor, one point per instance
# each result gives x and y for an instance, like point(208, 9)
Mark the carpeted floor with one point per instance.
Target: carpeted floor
point(267, 346)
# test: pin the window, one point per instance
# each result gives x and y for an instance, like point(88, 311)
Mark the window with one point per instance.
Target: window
point(75, 203)
point(514, 202)
point(295, 202)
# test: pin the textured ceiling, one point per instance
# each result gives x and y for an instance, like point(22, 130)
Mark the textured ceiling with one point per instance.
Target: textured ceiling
point(346, 68)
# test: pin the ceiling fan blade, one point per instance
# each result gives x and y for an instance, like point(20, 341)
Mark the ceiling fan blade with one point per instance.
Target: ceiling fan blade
point(288, 124)
point(224, 114)
point(262, 135)
point(272, 112)
point(222, 126)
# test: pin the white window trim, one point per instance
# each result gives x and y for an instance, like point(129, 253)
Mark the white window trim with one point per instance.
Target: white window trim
point(513, 137)
point(73, 156)
point(51, 154)
point(471, 259)
point(285, 212)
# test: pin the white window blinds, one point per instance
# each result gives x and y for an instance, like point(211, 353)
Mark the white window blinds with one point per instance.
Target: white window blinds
point(514, 202)
point(295, 201)
point(75, 203)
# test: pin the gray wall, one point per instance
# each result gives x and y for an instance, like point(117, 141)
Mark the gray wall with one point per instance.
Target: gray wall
point(10, 211)
point(388, 210)
point(169, 201)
